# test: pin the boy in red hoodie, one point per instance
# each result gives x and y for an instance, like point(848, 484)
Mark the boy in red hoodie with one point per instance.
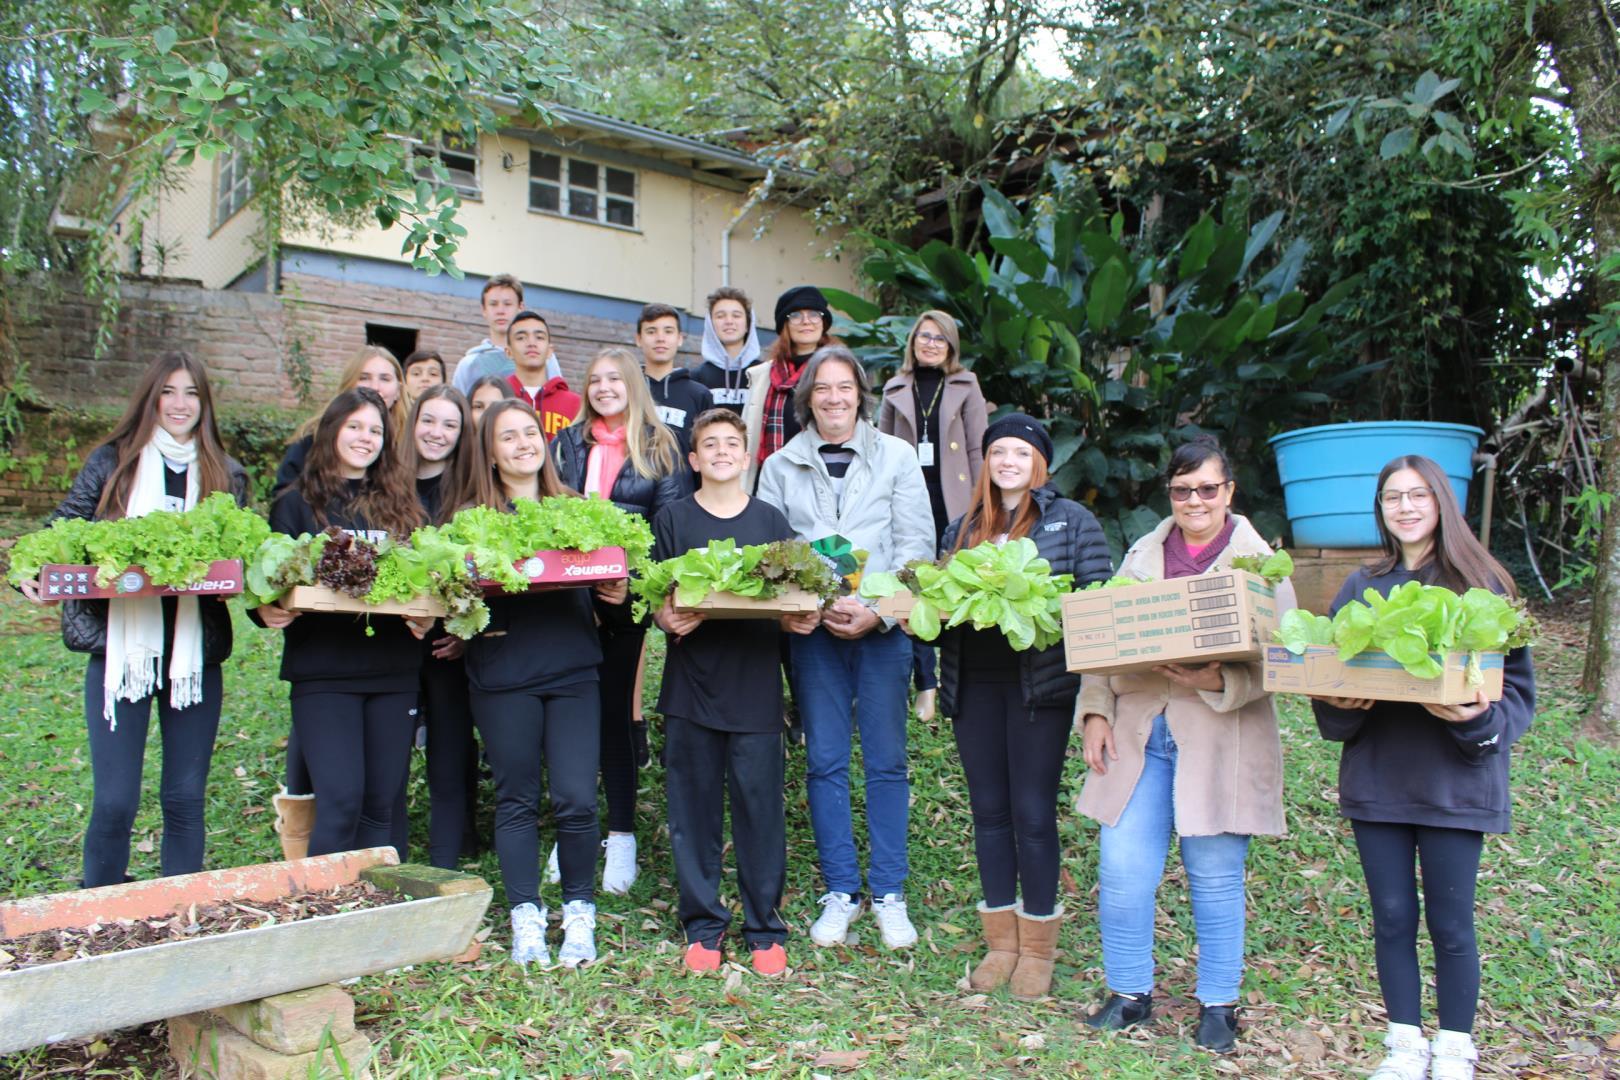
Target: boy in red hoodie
point(528, 340)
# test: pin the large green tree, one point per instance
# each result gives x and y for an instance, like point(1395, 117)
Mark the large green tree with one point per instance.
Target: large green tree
point(1584, 36)
point(323, 100)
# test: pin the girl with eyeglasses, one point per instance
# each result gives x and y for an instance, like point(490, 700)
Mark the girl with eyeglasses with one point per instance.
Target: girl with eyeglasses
point(1183, 748)
point(803, 325)
point(1423, 784)
point(935, 404)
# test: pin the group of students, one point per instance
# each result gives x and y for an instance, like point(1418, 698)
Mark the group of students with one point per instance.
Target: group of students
point(552, 685)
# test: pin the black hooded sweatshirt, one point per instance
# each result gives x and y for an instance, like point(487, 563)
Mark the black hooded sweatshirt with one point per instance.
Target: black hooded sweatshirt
point(680, 399)
point(1404, 765)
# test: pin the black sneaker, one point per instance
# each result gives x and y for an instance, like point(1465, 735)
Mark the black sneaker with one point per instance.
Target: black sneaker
point(1121, 1011)
point(1217, 1028)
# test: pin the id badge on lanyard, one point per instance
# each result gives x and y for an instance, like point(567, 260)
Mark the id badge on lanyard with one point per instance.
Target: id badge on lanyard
point(925, 453)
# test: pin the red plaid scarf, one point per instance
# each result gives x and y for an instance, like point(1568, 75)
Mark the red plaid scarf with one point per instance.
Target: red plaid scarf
point(778, 400)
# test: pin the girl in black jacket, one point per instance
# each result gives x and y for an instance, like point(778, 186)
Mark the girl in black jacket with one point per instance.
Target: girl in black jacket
point(1425, 783)
point(374, 368)
point(533, 678)
point(1012, 711)
point(436, 455)
point(164, 454)
point(353, 695)
point(617, 449)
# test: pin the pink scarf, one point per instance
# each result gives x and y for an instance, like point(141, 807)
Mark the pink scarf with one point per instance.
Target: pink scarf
point(606, 458)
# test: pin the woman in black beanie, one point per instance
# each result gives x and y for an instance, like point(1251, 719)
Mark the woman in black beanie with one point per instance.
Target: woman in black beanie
point(803, 325)
point(1012, 711)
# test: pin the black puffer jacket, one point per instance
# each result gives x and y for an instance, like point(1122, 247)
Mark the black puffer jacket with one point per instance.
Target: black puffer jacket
point(1069, 537)
point(632, 492)
point(84, 622)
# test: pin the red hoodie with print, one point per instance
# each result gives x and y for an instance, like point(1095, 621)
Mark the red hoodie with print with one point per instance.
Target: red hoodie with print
point(556, 405)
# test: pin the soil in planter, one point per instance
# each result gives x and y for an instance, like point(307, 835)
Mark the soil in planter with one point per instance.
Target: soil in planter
point(196, 920)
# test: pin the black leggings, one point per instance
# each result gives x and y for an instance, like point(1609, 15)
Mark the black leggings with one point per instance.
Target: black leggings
point(358, 749)
point(297, 781)
point(1450, 864)
point(522, 732)
point(116, 757)
point(1014, 764)
point(621, 653)
point(452, 761)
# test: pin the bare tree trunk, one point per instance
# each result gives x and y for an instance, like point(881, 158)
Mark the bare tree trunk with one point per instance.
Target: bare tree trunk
point(1586, 50)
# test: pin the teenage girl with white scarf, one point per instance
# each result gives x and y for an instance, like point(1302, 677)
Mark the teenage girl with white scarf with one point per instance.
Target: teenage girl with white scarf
point(164, 454)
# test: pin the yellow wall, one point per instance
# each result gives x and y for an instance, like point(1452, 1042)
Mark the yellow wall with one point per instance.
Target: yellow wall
point(673, 257)
point(178, 238)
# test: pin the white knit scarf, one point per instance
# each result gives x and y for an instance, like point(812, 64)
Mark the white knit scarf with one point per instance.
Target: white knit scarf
point(135, 624)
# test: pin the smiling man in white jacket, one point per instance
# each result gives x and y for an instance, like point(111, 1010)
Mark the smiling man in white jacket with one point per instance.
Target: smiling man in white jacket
point(840, 476)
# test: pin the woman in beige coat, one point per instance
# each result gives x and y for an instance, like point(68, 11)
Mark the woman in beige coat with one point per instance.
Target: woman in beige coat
point(934, 404)
point(1185, 747)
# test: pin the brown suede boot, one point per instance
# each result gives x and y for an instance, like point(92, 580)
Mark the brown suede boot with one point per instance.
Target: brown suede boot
point(1001, 934)
point(1037, 944)
point(295, 820)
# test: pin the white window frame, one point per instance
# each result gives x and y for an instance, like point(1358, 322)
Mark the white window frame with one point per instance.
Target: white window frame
point(233, 183)
point(448, 143)
point(562, 186)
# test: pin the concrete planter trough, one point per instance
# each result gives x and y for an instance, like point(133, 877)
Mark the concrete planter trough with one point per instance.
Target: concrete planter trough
point(76, 998)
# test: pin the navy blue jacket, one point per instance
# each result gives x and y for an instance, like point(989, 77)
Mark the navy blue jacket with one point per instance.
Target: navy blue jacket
point(1402, 764)
point(1069, 538)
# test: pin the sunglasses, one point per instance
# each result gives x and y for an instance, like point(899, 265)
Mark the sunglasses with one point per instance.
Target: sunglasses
point(1206, 492)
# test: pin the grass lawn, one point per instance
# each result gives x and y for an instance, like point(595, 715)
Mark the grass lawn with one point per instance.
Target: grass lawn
point(1549, 924)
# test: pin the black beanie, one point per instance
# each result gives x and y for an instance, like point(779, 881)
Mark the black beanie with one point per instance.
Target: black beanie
point(1020, 426)
point(802, 298)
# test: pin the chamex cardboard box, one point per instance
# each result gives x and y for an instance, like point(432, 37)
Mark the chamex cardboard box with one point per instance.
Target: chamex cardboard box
point(1226, 615)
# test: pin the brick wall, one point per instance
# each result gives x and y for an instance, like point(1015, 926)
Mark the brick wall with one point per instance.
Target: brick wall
point(245, 339)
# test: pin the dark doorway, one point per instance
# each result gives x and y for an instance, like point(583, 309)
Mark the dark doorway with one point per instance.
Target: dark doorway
point(399, 340)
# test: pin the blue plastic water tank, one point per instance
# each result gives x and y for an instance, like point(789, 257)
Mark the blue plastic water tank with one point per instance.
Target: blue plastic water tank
point(1328, 474)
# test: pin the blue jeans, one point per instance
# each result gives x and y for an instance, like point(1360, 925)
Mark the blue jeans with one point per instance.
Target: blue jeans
point(840, 684)
point(1130, 866)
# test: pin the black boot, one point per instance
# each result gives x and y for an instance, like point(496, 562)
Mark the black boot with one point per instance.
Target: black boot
point(1217, 1028)
point(1121, 1011)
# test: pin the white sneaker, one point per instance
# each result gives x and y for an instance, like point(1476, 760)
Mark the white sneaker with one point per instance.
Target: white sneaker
point(1453, 1056)
point(553, 869)
point(529, 935)
point(837, 912)
point(579, 934)
point(893, 922)
point(1408, 1057)
point(619, 863)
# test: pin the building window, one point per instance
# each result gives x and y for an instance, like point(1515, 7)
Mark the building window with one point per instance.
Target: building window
point(582, 189)
point(459, 157)
point(235, 183)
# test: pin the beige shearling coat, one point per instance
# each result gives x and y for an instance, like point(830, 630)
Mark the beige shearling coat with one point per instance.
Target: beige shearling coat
point(1229, 775)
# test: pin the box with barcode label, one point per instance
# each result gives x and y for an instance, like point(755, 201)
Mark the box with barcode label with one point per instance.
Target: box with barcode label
point(1225, 615)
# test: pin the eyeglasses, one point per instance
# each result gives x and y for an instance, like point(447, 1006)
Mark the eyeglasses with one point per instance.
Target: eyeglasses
point(1207, 492)
point(804, 316)
point(1419, 497)
point(926, 338)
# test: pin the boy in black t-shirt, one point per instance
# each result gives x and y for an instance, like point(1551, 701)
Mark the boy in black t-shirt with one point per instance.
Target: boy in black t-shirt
point(722, 705)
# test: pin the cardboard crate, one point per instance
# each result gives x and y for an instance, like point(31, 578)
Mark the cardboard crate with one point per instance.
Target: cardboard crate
point(725, 605)
point(568, 569)
point(320, 598)
point(60, 581)
point(897, 606)
point(1226, 615)
point(1375, 674)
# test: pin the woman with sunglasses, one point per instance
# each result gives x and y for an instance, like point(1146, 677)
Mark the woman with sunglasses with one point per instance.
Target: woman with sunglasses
point(1184, 748)
point(1423, 784)
point(935, 404)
